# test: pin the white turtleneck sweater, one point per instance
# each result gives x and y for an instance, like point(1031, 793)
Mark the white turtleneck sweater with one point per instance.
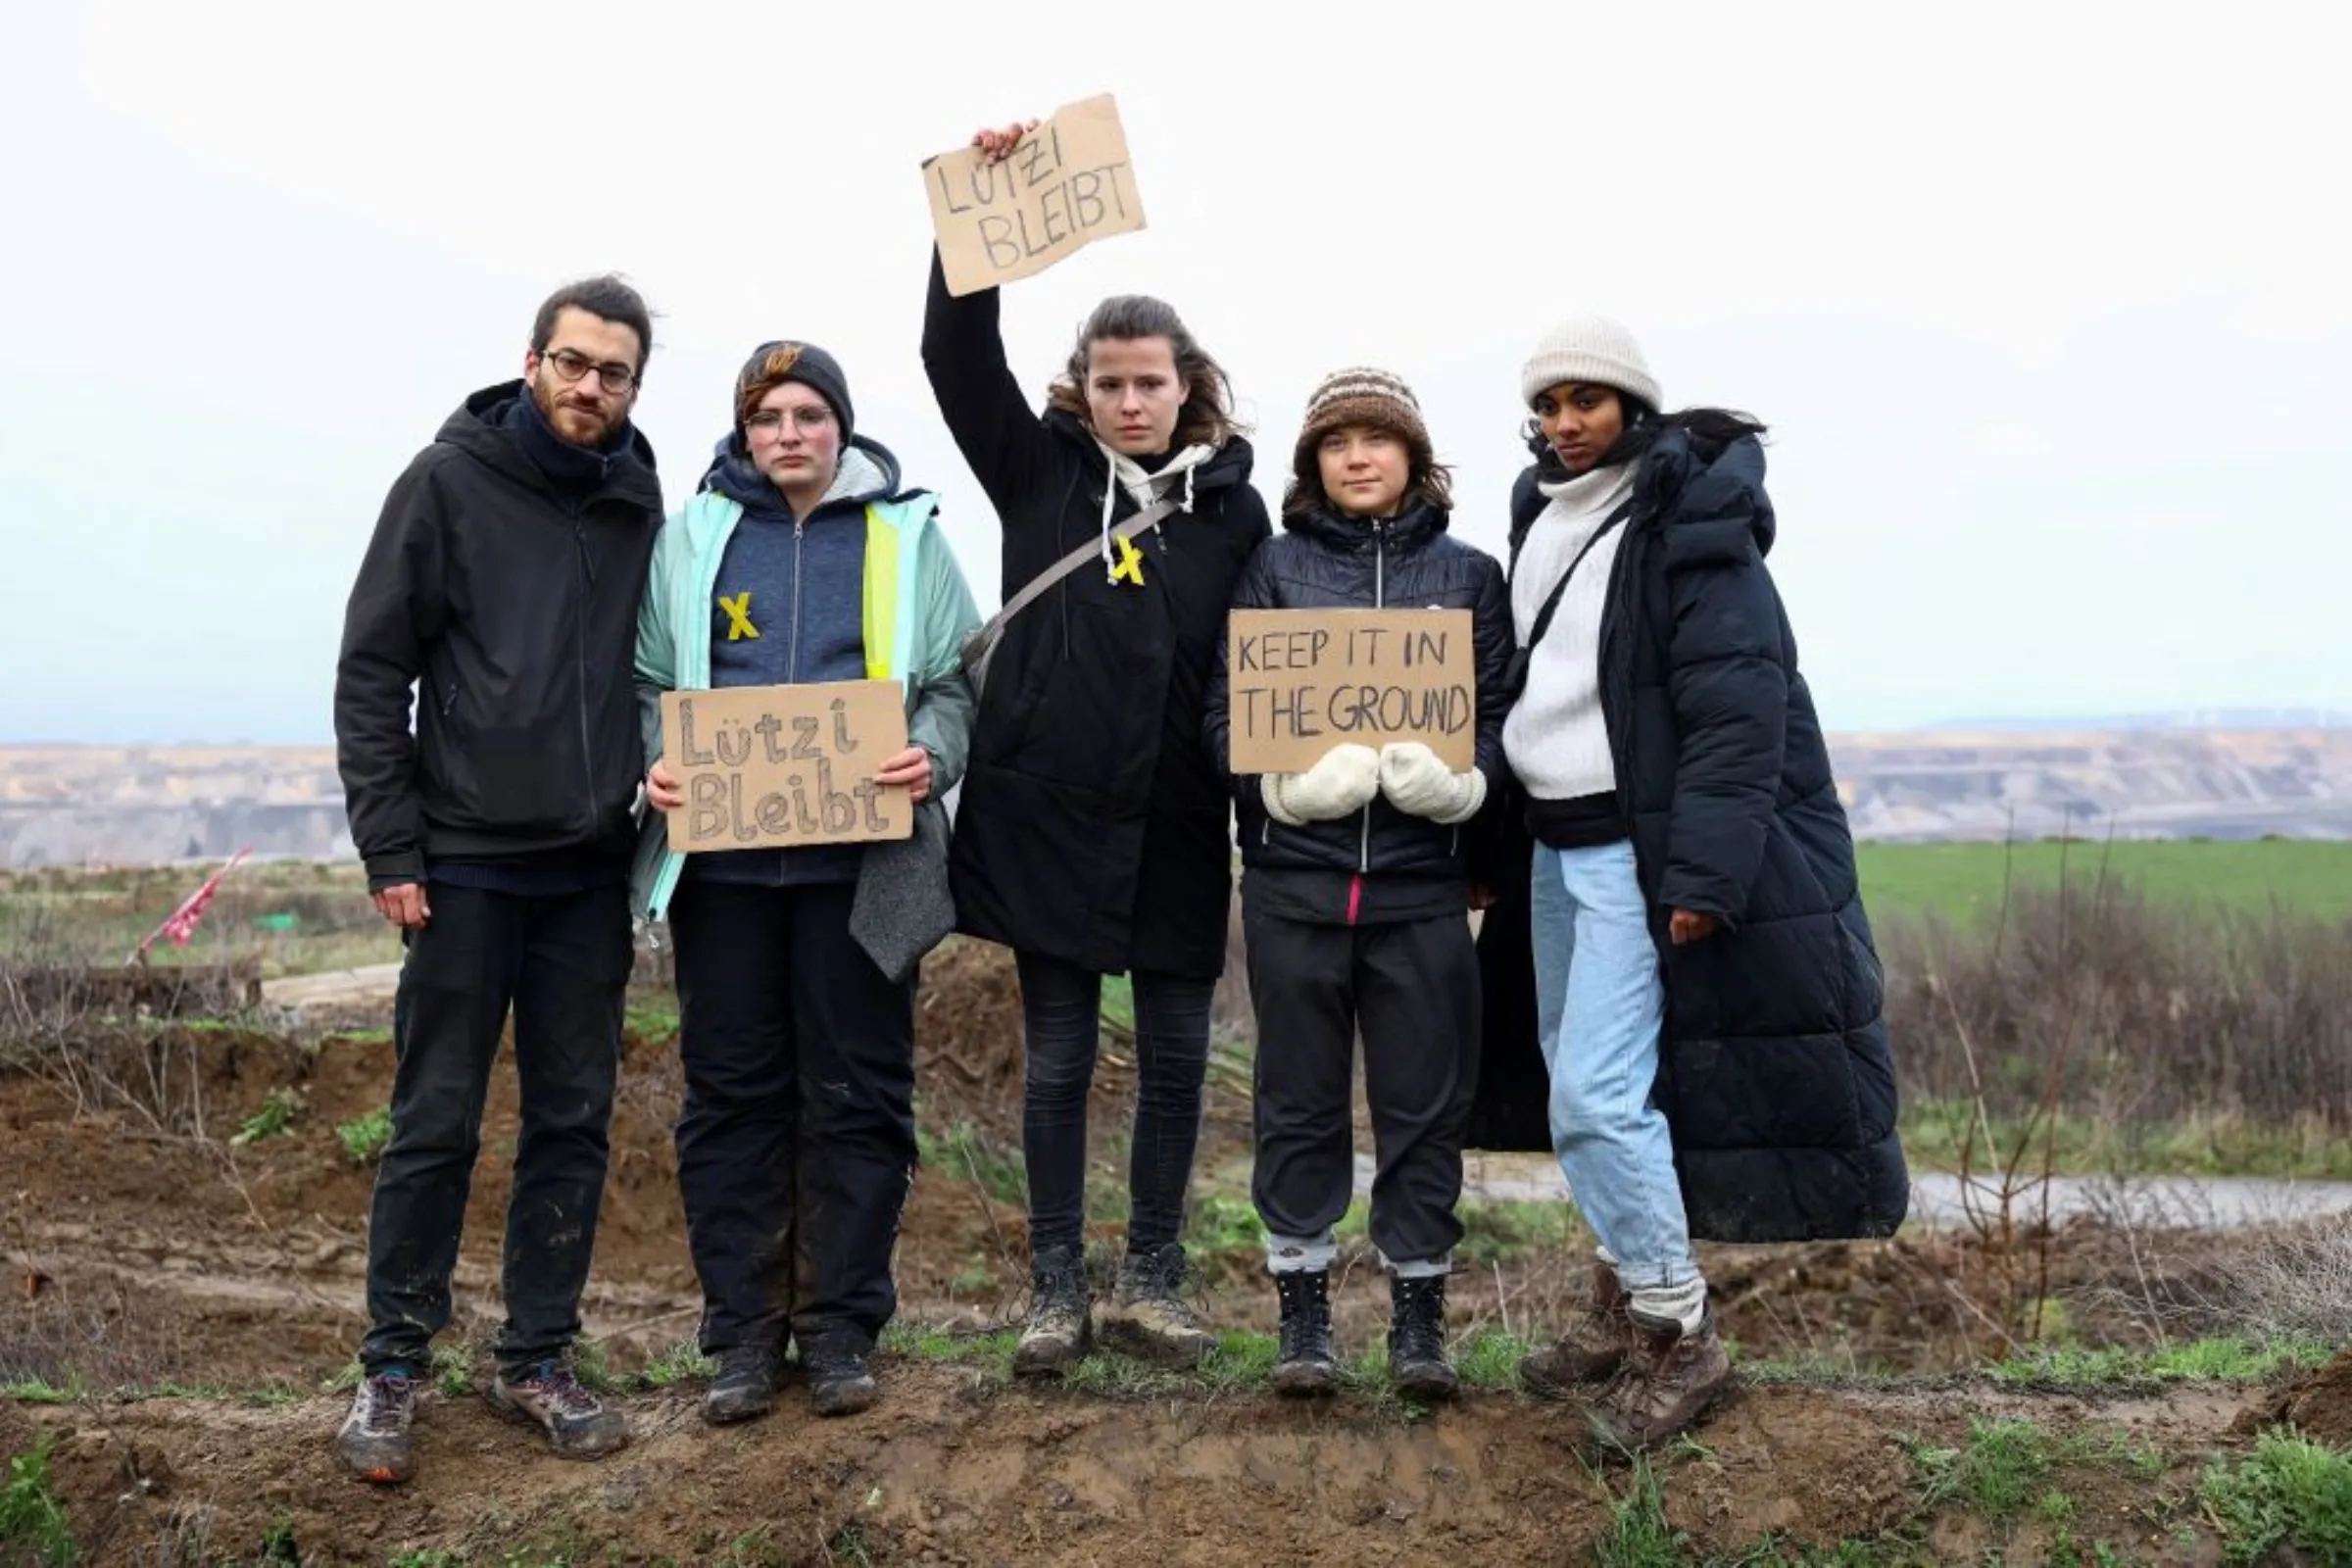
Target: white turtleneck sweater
point(1554, 737)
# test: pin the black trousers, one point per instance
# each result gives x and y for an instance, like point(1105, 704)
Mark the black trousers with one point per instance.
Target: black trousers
point(797, 1144)
point(1411, 986)
point(561, 964)
point(1061, 1014)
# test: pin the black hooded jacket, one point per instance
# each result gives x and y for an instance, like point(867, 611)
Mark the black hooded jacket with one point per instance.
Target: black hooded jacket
point(509, 602)
point(1093, 827)
point(1775, 1070)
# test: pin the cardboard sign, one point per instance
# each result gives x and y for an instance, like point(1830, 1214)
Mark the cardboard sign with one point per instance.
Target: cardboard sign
point(1067, 184)
point(774, 766)
point(1301, 681)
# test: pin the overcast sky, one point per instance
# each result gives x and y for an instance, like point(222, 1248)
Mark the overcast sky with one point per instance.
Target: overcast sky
point(2049, 306)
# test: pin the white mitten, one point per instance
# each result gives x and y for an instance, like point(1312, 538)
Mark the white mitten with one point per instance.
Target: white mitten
point(1417, 781)
point(1343, 780)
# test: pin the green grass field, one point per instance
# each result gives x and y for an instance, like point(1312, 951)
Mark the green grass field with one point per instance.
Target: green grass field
point(1963, 882)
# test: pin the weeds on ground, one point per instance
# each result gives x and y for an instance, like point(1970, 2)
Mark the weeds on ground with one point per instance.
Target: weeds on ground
point(32, 1522)
point(275, 1116)
point(2006, 1464)
point(43, 1391)
point(682, 1361)
point(1638, 1536)
point(2289, 1488)
point(964, 1150)
point(363, 1138)
point(2230, 1358)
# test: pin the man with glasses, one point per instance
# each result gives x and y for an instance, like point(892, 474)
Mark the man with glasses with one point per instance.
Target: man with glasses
point(502, 588)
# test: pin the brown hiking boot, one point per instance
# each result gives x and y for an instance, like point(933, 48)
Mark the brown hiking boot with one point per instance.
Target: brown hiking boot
point(1148, 1317)
point(1593, 1347)
point(1059, 1331)
point(1665, 1385)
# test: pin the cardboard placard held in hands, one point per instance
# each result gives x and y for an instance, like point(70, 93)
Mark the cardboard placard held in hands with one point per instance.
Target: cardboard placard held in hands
point(1067, 184)
point(776, 767)
point(1301, 681)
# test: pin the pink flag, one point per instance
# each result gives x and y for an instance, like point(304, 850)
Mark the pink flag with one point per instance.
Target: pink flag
point(181, 924)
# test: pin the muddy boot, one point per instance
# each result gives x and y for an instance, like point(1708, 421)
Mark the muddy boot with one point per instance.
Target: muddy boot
point(1593, 1347)
point(550, 1396)
point(373, 1443)
point(1148, 1317)
point(744, 1387)
point(839, 1381)
point(1304, 1365)
point(1418, 1364)
point(1058, 1330)
point(1669, 1380)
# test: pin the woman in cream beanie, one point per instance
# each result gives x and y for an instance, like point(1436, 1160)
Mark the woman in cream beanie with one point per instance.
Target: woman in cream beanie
point(1705, 994)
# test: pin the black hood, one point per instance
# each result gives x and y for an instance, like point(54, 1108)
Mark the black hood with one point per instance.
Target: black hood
point(479, 429)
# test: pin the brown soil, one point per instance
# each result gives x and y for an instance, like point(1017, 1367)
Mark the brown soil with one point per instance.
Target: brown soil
point(139, 1247)
point(2318, 1403)
point(947, 1470)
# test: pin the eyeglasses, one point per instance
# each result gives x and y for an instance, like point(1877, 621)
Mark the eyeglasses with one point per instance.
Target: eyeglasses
point(572, 365)
point(806, 419)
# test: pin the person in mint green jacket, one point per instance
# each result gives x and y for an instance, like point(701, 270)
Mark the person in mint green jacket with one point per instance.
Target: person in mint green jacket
point(802, 559)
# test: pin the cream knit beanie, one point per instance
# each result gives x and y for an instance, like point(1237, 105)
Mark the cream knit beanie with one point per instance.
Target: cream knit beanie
point(1591, 349)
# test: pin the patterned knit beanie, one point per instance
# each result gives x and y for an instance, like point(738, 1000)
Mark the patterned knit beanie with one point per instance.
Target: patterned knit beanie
point(1595, 350)
point(771, 365)
point(1361, 395)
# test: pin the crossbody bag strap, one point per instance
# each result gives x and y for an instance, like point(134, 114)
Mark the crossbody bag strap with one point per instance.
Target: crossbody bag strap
point(1142, 522)
point(1552, 606)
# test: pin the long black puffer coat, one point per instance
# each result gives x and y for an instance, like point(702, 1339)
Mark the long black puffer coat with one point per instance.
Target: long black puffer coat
point(1775, 1071)
point(1093, 825)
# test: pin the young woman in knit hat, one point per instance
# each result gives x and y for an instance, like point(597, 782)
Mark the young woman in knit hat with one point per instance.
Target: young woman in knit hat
point(1093, 833)
point(1356, 893)
point(1707, 991)
point(796, 966)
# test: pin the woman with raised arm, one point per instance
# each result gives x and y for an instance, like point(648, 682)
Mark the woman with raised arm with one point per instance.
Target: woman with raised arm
point(1093, 833)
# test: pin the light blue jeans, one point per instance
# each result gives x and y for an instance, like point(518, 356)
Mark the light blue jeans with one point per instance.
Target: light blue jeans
point(1600, 1008)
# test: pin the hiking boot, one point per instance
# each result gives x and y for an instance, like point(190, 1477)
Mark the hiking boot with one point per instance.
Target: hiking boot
point(373, 1443)
point(1667, 1383)
point(744, 1387)
point(1148, 1317)
point(1304, 1365)
point(1059, 1329)
point(1591, 1348)
point(1418, 1364)
point(550, 1396)
point(839, 1382)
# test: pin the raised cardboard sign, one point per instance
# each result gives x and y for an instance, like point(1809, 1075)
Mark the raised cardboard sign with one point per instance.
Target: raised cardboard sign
point(1067, 184)
point(774, 766)
point(1301, 681)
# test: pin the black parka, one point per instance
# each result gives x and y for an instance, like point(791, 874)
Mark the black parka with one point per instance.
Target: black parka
point(1093, 825)
point(1775, 1070)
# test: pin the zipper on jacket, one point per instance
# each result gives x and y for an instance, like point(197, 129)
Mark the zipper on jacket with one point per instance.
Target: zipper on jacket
point(800, 532)
point(1380, 601)
point(579, 644)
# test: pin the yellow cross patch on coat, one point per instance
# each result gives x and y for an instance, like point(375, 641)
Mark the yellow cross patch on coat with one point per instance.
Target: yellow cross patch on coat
point(1131, 564)
point(739, 615)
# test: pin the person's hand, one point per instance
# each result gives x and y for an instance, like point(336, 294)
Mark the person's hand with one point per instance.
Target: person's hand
point(997, 144)
point(912, 767)
point(1417, 782)
point(1342, 782)
point(662, 786)
point(403, 903)
point(1686, 926)
point(1483, 897)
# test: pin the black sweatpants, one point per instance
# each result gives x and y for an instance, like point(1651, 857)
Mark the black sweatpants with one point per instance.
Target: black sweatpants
point(561, 964)
point(1412, 987)
point(798, 1138)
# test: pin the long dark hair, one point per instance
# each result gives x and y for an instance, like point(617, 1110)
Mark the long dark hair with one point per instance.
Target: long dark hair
point(1711, 430)
point(1207, 417)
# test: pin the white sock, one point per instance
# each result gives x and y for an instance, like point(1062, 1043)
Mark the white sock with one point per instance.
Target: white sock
point(1300, 1254)
point(1683, 1306)
point(1420, 1268)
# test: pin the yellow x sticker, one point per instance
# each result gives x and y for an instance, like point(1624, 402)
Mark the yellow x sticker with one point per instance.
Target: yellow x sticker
point(1131, 564)
point(739, 615)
